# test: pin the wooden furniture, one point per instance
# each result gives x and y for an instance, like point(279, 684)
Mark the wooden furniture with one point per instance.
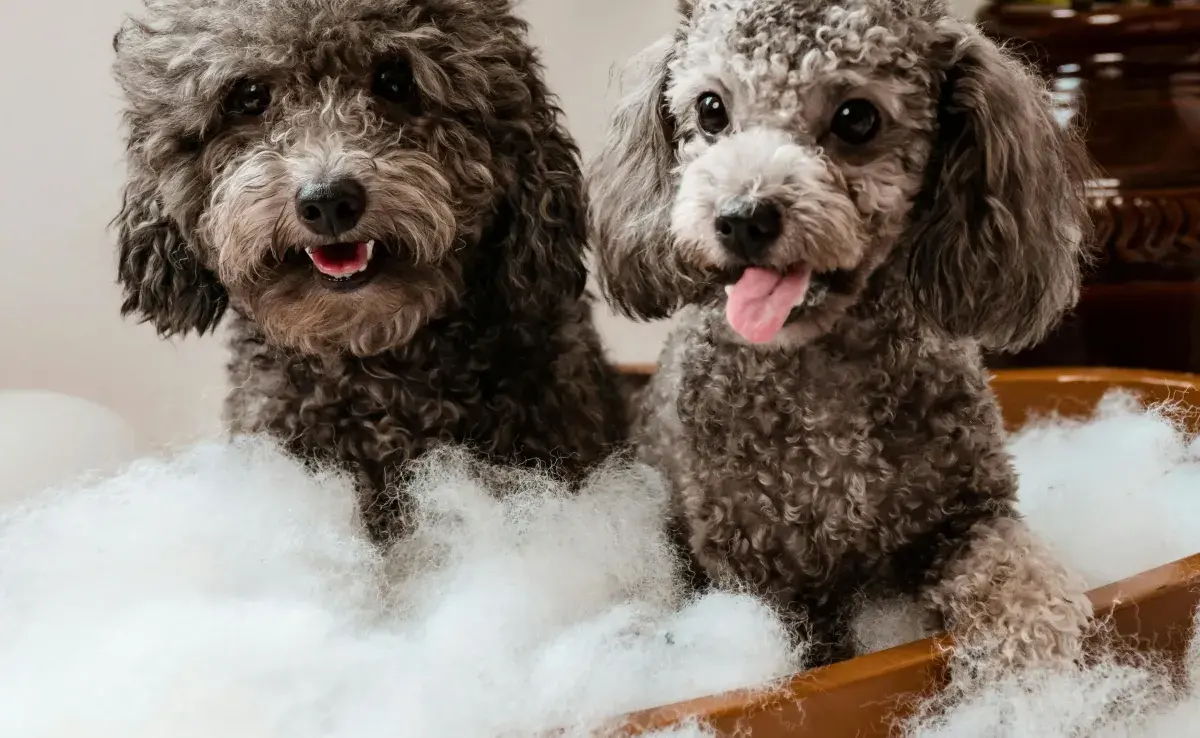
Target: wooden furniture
point(1024, 394)
point(1069, 391)
point(864, 697)
point(1131, 74)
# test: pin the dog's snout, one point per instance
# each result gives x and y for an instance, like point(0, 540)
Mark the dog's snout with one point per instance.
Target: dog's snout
point(748, 232)
point(331, 207)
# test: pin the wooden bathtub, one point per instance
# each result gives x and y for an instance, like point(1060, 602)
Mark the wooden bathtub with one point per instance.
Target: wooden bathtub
point(864, 697)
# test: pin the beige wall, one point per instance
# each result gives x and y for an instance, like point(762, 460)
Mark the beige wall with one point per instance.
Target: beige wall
point(584, 43)
point(59, 185)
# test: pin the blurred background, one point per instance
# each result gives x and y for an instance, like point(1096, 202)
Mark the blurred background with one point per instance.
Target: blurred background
point(61, 177)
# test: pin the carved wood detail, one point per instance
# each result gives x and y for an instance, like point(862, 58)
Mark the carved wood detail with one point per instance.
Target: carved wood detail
point(1129, 73)
point(1147, 235)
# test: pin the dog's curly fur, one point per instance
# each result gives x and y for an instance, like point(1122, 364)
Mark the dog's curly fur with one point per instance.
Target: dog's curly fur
point(860, 451)
point(474, 328)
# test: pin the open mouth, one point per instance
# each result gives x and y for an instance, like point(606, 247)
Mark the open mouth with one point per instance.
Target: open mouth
point(343, 264)
point(762, 301)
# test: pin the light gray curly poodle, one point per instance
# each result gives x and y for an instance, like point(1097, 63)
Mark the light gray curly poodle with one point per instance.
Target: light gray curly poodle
point(846, 200)
point(382, 194)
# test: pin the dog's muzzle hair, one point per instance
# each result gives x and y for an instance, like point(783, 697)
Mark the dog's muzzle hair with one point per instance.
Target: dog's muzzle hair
point(758, 197)
point(374, 220)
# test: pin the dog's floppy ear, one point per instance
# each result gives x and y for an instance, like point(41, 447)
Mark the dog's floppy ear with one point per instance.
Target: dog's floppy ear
point(159, 272)
point(999, 230)
point(162, 280)
point(632, 187)
point(540, 261)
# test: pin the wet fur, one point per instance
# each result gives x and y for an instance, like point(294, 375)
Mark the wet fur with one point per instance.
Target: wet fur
point(861, 452)
point(475, 330)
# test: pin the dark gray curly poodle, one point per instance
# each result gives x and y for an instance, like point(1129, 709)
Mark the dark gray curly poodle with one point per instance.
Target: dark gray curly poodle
point(846, 200)
point(382, 195)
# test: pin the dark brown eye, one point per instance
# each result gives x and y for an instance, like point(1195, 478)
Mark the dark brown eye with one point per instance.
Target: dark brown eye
point(393, 81)
point(711, 113)
point(855, 122)
point(249, 98)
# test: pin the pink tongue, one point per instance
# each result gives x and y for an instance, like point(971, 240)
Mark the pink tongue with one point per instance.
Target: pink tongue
point(761, 300)
point(340, 259)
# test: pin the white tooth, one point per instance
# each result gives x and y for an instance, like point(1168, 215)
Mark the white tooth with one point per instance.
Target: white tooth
point(728, 289)
point(370, 248)
point(309, 249)
point(816, 295)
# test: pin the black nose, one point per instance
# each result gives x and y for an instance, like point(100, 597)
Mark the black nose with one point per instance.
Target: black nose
point(331, 207)
point(750, 231)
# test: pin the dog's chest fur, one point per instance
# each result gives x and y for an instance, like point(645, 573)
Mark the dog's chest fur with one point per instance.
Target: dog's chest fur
point(515, 393)
point(837, 466)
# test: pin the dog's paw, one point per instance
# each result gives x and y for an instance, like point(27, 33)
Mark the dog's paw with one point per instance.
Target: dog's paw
point(1008, 602)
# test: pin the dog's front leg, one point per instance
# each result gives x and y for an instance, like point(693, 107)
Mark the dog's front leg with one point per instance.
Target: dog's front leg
point(1006, 599)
